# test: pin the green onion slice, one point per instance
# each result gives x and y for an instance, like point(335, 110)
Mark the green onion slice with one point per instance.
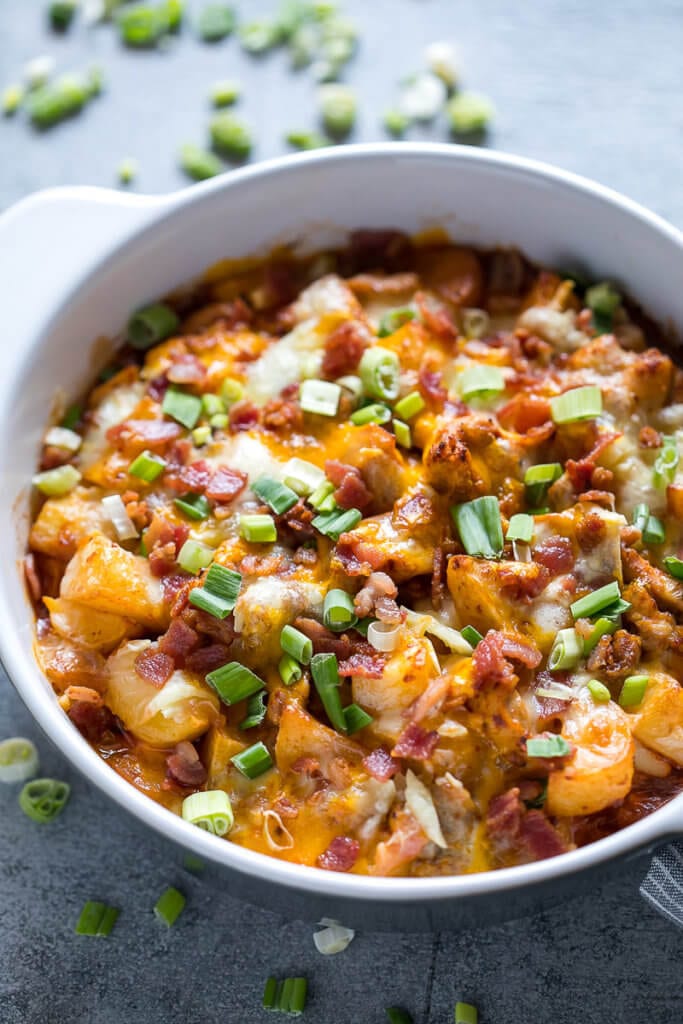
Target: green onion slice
point(215, 22)
point(197, 163)
point(356, 719)
point(290, 670)
point(666, 463)
point(398, 1016)
point(195, 556)
point(270, 992)
point(303, 477)
point(393, 319)
point(194, 506)
point(169, 906)
point(375, 412)
point(479, 526)
point(380, 371)
point(151, 325)
point(210, 810)
point(58, 481)
point(230, 136)
point(674, 566)
point(234, 682)
point(547, 746)
point(275, 495)
point(633, 691)
point(465, 1013)
point(147, 467)
point(296, 644)
point(598, 691)
point(96, 919)
point(18, 760)
point(471, 635)
point(333, 524)
point(480, 381)
point(584, 403)
point(596, 602)
point(219, 594)
point(325, 673)
point(520, 527)
point(410, 405)
point(538, 479)
point(321, 496)
point(403, 434)
point(320, 397)
point(253, 761)
point(256, 710)
point(651, 528)
point(258, 529)
point(338, 613)
point(603, 300)
point(182, 407)
point(567, 651)
point(43, 799)
point(603, 627)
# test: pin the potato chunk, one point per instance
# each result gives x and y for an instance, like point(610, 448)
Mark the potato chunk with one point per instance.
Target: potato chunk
point(659, 725)
point(64, 523)
point(100, 631)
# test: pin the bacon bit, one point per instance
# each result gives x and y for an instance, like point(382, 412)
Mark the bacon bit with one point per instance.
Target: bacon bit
point(243, 416)
point(351, 491)
point(340, 855)
point(137, 435)
point(492, 655)
point(225, 484)
point(294, 525)
point(555, 554)
point(261, 565)
point(416, 743)
point(649, 438)
point(206, 659)
point(581, 472)
point(378, 586)
point(366, 285)
point(53, 456)
point(282, 415)
point(186, 369)
point(535, 348)
point(184, 766)
point(305, 556)
point(35, 587)
point(365, 663)
point(358, 558)
point(436, 317)
point(222, 630)
point(154, 666)
point(377, 248)
point(92, 720)
point(324, 640)
point(179, 640)
point(380, 764)
point(343, 349)
point(162, 559)
point(157, 388)
point(513, 829)
point(602, 478)
point(616, 656)
point(504, 819)
point(602, 498)
point(162, 531)
point(430, 699)
point(85, 694)
point(431, 388)
point(540, 837)
point(523, 412)
point(590, 531)
point(523, 583)
point(175, 585)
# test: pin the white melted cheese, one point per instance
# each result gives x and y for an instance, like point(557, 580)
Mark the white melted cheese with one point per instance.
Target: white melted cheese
point(295, 356)
point(247, 453)
point(116, 407)
point(262, 604)
point(553, 325)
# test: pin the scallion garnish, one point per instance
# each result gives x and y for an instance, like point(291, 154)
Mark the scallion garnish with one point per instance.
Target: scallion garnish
point(296, 644)
point(666, 463)
point(333, 524)
point(596, 602)
point(322, 498)
point(480, 381)
point(270, 991)
point(96, 919)
point(307, 140)
point(182, 407)
point(275, 495)
point(147, 467)
point(324, 670)
point(210, 810)
point(465, 1013)
point(393, 319)
point(603, 627)
point(198, 163)
point(43, 799)
point(337, 108)
point(547, 746)
point(320, 397)
point(290, 670)
point(195, 556)
point(567, 651)
point(338, 613)
point(253, 761)
point(633, 691)
point(410, 405)
point(402, 434)
point(356, 719)
point(234, 682)
point(18, 759)
point(538, 479)
point(258, 529)
point(398, 1016)
point(471, 635)
point(219, 593)
point(256, 710)
point(674, 566)
point(651, 528)
point(194, 506)
point(520, 527)
point(598, 691)
point(58, 481)
point(169, 906)
point(230, 136)
point(71, 417)
point(373, 413)
point(380, 370)
point(603, 300)
point(212, 404)
point(584, 403)
point(303, 477)
point(479, 526)
point(469, 113)
point(151, 325)
point(288, 996)
point(200, 436)
point(215, 22)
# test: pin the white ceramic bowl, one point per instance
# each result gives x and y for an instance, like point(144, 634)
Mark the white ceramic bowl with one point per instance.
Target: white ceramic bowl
point(74, 262)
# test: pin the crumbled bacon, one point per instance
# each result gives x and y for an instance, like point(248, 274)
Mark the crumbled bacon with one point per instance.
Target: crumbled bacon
point(186, 369)
point(540, 837)
point(179, 640)
point(514, 830)
point(324, 640)
point(157, 387)
point(649, 438)
point(225, 484)
point(243, 416)
point(222, 630)
point(35, 587)
point(92, 720)
point(162, 559)
point(416, 743)
point(340, 855)
point(556, 554)
point(351, 491)
point(380, 764)
point(282, 415)
point(615, 657)
point(192, 478)
point(154, 666)
point(492, 656)
point(343, 350)
point(53, 456)
point(377, 598)
point(134, 436)
point(358, 557)
point(295, 525)
point(174, 585)
point(206, 659)
point(524, 412)
point(363, 661)
point(431, 387)
point(185, 767)
point(436, 317)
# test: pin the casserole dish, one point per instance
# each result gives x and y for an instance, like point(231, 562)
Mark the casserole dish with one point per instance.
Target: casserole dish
point(122, 252)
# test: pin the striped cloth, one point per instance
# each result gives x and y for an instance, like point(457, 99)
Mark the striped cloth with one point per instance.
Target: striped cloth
point(663, 884)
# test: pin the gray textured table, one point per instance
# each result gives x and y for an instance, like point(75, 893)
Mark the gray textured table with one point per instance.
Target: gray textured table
point(594, 87)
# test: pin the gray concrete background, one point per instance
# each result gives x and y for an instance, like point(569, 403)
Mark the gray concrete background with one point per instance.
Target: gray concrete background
point(594, 87)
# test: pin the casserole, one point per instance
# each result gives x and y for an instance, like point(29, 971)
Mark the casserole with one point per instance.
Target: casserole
point(481, 198)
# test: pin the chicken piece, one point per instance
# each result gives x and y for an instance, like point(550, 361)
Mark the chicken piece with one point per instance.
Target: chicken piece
point(108, 578)
point(667, 592)
point(84, 625)
point(659, 723)
point(601, 770)
point(63, 523)
point(373, 452)
point(181, 709)
point(469, 456)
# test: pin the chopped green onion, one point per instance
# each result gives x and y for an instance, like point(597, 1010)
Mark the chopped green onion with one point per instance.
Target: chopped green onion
point(169, 906)
point(147, 467)
point(481, 381)
point(127, 170)
point(379, 370)
point(258, 37)
point(212, 404)
point(258, 529)
point(469, 112)
point(396, 122)
point(598, 691)
point(666, 463)
point(219, 421)
point(547, 746)
point(290, 670)
point(71, 417)
point(256, 710)
point(96, 919)
point(538, 479)
point(579, 404)
point(151, 325)
point(61, 14)
point(471, 635)
point(319, 396)
point(225, 93)
point(18, 759)
point(596, 602)
point(52, 103)
point(674, 566)
point(253, 761)
point(210, 810)
point(194, 506)
point(409, 406)
point(141, 26)
point(338, 613)
point(403, 434)
point(270, 993)
point(231, 391)
point(356, 719)
point(182, 407)
point(296, 644)
point(614, 610)
point(479, 526)
point(633, 691)
point(230, 136)
point(215, 22)
point(195, 556)
point(465, 1013)
point(43, 799)
point(325, 674)
point(200, 436)
point(195, 865)
point(651, 528)
point(219, 594)
point(307, 140)
point(58, 481)
point(567, 651)
point(374, 413)
point(303, 477)
point(393, 319)
point(603, 300)
point(234, 682)
point(11, 99)
point(333, 524)
point(322, 496)
point(476, 323)
point(603, 627)
point(197, 163)
point(275, 495)
point(520, 527)
point(292, 996)
point(337, 108)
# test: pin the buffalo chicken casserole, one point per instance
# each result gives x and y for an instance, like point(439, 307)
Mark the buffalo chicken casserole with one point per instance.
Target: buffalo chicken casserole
point(373, 560)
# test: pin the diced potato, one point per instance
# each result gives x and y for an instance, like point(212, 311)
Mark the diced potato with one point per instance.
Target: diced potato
point(63, 523)
point(108, 578)
point(301, 735)
point(267, 605)
point(98, 630)
point(68, 664)
point(486, 593)
point(659, 724)
point(182, 709)
point(405, 677)
point(219, 747)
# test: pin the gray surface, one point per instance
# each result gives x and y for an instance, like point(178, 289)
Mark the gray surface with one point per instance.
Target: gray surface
point(596, 88)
